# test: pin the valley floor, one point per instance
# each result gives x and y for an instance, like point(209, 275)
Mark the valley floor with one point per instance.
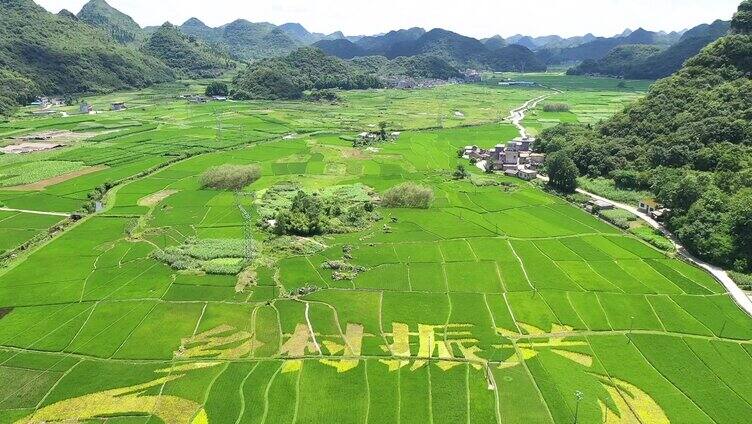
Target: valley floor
point(498, 304)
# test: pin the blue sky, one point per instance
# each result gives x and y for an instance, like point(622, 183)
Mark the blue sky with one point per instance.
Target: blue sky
point(477, 18)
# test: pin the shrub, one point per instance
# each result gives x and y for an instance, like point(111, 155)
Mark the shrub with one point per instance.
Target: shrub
point(620, 218)
point(556, 107)
point(408, 195)
point(230, 177)
point(742, 280)
point(460, 173)
point(654, 237)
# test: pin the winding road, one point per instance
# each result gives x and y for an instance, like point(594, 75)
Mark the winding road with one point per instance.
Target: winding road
point(740, 297)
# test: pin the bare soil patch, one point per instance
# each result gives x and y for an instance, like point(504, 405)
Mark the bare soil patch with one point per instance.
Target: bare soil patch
point(43, 184)
point(155, 198)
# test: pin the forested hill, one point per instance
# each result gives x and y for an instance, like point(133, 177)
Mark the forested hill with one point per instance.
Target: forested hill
point(690, 142)
point(245, 40)
point(187, 56)
point(43, 53)
point(304, 69)
point(120, 26)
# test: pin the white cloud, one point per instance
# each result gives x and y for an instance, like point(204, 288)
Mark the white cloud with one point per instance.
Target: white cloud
point(478, 18)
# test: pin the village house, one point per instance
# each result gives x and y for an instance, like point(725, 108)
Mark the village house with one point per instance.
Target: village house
point(118, 106)
point(527, 174)
point(85, 108)
point(368, 136)
point(219, 98)
point(470, 150)
point(648, 206)
point(537, 159)
point(595, 205)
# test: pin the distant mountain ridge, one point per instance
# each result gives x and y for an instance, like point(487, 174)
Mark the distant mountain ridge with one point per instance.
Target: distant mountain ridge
point(458, 50)
point(650, 61)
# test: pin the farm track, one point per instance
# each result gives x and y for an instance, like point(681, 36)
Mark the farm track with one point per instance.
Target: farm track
point(61, 214)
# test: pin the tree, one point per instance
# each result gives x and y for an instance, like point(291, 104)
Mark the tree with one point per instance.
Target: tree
point(303, 218)
point(461, 173)
point(562, 172)
point(382, 130)
point(626, 180)
point(217, 88)
point(741, 224)
point(742, 22)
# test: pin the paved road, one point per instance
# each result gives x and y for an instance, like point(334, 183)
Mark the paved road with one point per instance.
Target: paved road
point(36, 212)
point(742, 299)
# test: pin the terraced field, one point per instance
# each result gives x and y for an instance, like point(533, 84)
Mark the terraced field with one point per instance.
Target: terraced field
point(498, 304)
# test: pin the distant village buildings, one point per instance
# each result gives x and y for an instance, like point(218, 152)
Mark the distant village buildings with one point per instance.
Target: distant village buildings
point(472, 75)
point(118, 106)
point(515, 158)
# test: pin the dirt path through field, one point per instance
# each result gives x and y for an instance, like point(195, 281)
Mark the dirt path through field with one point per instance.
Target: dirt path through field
point(518, 115)
point(35, 212)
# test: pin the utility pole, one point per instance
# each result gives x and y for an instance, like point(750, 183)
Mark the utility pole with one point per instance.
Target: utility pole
point(578, 395)
point(631, 327)
point(219, 125)
point(247, 222)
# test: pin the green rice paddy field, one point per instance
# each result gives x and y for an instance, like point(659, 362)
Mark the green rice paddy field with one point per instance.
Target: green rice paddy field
point(492, 306)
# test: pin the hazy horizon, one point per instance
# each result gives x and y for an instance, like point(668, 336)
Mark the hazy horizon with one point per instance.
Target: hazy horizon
point(535, 17)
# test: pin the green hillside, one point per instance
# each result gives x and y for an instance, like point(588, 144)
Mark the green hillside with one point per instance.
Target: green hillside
point(187, 56)
point(618, 62)
point(304, 69)
point(690, 142)
point(41, 53)
point(119, 25)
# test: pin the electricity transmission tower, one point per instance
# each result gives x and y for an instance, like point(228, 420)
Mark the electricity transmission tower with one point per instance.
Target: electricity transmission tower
point(247, 221)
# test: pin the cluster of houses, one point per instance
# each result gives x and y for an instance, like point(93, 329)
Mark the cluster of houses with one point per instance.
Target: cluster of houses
point(403, 82)
point(197, 98)
point(45, 102)
point(515, 158)
point(472, 75)
point(370, 136)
